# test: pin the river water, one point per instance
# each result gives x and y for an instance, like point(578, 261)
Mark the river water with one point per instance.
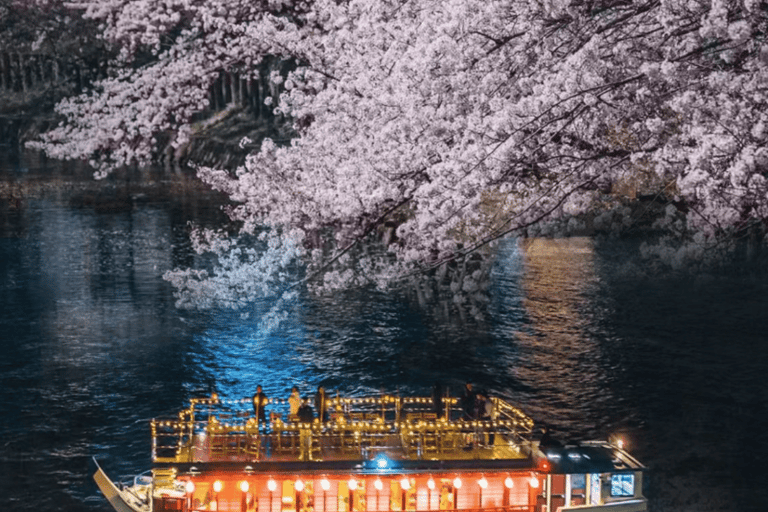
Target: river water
point(578, 332)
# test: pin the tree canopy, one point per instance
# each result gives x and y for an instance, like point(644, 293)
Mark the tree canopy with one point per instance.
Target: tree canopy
point(442, 125)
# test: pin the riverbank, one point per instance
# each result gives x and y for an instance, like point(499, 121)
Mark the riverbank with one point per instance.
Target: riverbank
point(29, 177)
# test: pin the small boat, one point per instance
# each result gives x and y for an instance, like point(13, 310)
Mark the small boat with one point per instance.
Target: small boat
point(372, 454)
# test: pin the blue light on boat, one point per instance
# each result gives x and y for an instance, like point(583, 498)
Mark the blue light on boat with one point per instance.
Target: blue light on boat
point(382, 461)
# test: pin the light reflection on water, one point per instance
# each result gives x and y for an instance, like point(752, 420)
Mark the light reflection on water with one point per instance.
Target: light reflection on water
point(562, 362)
point(240, 355)
point(93, 347)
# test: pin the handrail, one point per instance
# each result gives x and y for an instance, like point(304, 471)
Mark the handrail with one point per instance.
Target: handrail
point(212, 427)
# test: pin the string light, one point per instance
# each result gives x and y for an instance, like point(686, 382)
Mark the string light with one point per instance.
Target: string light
point(210, 415)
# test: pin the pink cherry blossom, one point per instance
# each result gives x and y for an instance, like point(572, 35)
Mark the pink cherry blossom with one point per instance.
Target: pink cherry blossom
point(440, 126)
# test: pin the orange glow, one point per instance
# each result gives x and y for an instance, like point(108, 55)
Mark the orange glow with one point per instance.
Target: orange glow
point(422, 488)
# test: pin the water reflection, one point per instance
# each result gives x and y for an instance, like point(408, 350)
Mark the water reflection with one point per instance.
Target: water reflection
point(238, 355)
point(562, 359)
point(345, 343)
point(537, 348)
point(93, 346)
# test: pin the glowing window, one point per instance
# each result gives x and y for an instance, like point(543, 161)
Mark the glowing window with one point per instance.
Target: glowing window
point(622, 485)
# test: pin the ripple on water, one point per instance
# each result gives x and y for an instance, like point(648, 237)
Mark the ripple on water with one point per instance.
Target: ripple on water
point(93, 348)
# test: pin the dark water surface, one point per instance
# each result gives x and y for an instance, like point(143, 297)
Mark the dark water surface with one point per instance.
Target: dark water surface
point(93, 347)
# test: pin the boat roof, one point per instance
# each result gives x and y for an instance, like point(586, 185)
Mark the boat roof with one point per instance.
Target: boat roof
point(590, 457)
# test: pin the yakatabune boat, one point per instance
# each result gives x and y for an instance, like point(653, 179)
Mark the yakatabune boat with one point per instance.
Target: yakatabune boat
point(383, 453)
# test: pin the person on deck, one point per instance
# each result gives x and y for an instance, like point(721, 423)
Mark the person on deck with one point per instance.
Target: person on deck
point(260, 401)
point(468, 402)
point(437, 399)
point(547, 442)
point(321, 404)
point(485, 411)
point(306, 416)
point(294, 402)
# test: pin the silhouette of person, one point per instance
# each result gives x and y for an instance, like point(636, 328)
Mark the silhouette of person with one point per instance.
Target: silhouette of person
point(468, 402)
point(321, 404)
point(259, 406)
point(437, 399)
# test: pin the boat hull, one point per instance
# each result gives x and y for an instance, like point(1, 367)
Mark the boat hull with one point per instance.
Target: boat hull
point(120, 500)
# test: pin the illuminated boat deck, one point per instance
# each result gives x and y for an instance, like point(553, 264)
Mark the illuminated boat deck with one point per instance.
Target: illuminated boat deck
point(358, 429)
point(373, 454)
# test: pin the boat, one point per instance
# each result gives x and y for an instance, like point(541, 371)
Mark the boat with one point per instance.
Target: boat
point(373, 454)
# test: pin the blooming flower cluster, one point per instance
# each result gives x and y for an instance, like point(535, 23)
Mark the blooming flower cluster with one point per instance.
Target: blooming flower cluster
point(444, 125)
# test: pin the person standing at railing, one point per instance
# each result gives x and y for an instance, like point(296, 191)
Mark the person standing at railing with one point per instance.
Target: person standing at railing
point(486, 414)
point(321, 404)
point(437, 399)
point(260, 401)
point(469, 411)
point(294, 402)
point(305, 416)
point(468, 402)
point(305, 413)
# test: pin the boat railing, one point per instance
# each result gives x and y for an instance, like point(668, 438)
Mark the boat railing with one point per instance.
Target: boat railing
point(355, 428)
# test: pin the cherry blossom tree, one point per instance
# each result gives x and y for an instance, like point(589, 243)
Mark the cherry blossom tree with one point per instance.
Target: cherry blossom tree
point(437, 127)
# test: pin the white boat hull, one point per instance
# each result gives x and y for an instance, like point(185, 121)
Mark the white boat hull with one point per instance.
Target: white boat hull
point(121, 500)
